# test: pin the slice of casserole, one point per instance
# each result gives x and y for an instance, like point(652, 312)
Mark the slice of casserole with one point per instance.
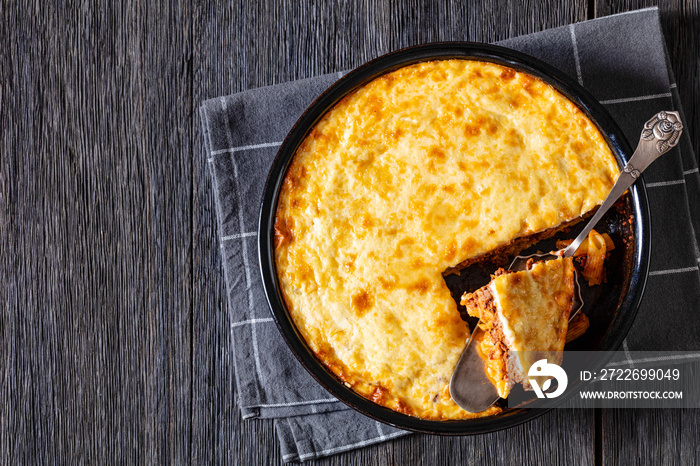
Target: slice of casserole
point(524, 315)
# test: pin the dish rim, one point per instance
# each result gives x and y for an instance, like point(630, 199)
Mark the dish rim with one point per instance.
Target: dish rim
point(626, 312)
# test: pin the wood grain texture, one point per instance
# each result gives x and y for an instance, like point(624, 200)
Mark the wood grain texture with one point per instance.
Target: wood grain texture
point(114, 331)
point(96, 233)
point(650, 436)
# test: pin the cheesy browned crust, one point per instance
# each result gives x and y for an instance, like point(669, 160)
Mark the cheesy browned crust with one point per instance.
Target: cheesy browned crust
point(417, 171)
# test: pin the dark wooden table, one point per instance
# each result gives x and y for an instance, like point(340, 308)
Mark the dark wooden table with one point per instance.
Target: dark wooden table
point(113, 323)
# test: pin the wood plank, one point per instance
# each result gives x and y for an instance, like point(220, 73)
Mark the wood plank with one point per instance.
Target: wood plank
point(662, 436)
point(239, 47)
point(650, 436)
point(214, 414)
point(96, 216)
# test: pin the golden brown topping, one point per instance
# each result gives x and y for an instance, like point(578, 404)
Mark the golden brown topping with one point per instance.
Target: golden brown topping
point(408, 176)
point(362, 302)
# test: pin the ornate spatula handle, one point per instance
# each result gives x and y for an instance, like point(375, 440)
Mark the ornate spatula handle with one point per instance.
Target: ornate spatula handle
point(660, 134)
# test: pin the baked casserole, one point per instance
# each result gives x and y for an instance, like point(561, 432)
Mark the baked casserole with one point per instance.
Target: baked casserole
point(425, 169)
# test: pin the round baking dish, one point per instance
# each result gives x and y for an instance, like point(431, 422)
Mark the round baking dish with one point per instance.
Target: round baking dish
point(613, 310)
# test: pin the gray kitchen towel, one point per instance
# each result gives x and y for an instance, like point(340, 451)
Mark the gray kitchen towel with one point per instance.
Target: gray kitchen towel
point(621, 59)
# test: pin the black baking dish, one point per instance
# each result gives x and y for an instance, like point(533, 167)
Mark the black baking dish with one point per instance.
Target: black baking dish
point(614, 309)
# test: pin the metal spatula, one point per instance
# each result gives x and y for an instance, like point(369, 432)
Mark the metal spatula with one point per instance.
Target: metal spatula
point(470, 388)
